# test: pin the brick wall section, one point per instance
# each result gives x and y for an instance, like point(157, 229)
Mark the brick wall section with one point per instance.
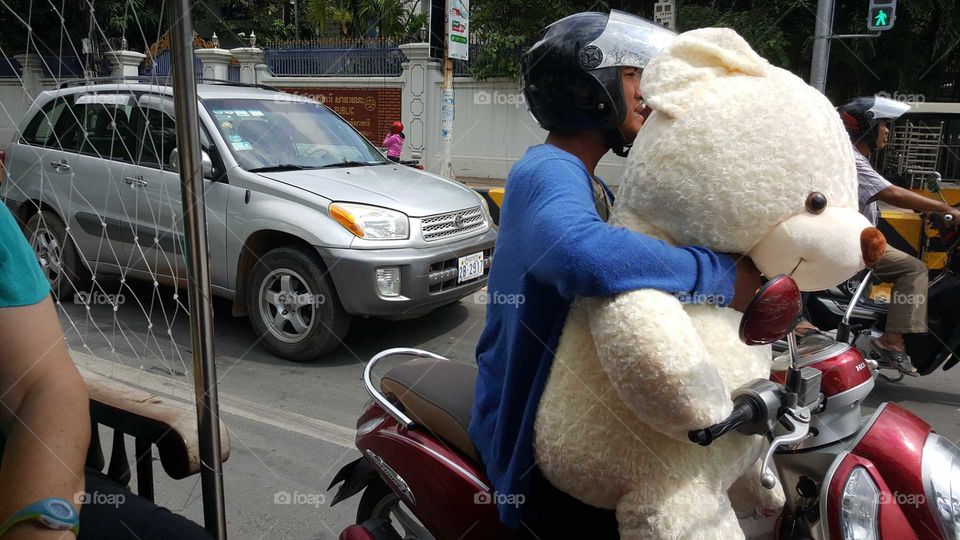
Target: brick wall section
point(389, 111)
point(353, 104)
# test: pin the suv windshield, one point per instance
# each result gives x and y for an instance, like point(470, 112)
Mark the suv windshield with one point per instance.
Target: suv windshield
point(266, 135)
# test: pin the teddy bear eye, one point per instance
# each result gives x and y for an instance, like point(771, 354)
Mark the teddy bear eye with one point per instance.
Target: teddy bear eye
point(816, 202)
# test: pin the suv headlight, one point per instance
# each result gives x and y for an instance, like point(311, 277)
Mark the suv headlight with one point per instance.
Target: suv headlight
point(859, 506)
point(486, 209)
point(371, 222)
point(941, 483)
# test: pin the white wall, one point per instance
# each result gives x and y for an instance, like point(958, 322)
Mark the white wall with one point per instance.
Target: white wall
point(14, 102)
point(492, 129)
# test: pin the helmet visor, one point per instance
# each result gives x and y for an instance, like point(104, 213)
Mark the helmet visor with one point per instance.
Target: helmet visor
point(886, 109)
point(627, 41)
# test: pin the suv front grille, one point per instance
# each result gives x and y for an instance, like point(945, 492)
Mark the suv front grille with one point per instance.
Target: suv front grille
point(440, 226)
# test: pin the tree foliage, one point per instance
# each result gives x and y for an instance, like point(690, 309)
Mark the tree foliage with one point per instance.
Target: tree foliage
point(507, 27)
point(395, 19)
point(920, 55)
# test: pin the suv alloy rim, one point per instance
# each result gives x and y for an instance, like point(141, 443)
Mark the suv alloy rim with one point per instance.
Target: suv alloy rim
point(48, 251)
point(287, 305)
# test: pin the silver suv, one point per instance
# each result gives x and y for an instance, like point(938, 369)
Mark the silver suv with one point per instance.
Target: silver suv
point(308, 223)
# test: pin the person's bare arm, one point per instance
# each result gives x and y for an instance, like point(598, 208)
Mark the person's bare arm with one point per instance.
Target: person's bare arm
point(904, 198)
point(44, 414)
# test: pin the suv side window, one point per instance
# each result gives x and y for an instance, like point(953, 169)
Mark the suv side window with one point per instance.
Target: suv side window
point(107, 131)
point(157, 133)
point(42, 129)
point(158, 137)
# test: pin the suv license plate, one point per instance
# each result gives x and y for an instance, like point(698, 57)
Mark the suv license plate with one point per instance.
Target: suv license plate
point(470, 267)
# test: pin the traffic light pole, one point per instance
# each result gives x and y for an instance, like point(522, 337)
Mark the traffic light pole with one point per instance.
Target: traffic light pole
point(821, 45)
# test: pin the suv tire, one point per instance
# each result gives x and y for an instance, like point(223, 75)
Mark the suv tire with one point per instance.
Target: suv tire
point(293, 306)
point(59, 259)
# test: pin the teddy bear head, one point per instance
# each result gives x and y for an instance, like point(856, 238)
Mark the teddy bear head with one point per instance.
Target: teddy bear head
point(744, 157)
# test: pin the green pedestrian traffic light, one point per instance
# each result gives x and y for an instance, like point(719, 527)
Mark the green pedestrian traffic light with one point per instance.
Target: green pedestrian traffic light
point(881, 15)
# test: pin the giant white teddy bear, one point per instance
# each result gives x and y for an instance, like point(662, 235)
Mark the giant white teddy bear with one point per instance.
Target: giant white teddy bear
point(736, 157)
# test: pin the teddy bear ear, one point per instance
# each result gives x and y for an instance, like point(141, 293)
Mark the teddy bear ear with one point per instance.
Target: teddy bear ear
point(692, 59)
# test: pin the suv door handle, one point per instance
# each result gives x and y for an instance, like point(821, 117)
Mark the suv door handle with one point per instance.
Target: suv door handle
point(135, 181)
point(61, 165)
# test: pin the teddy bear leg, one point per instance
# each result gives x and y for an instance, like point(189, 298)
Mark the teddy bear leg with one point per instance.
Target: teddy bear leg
point(749, 498)
point(688, 511)
point(757, 507)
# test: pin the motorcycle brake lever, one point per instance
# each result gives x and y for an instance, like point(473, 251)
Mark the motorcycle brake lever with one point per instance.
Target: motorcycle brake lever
point(799, 419)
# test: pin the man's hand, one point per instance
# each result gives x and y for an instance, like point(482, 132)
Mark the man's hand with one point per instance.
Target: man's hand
point(747, 283)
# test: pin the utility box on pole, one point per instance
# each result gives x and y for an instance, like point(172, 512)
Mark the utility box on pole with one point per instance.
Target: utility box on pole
point(881, 15)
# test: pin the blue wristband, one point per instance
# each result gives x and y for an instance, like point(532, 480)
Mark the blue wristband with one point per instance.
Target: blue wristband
point(53, 513)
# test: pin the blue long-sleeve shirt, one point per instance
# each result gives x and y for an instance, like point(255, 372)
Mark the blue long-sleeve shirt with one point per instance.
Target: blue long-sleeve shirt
point(552, 247)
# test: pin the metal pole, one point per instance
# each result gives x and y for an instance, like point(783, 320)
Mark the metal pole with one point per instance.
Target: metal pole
point(821, 45)
point(90, 50)
point(296, 18)
point(198, 266)
point(446, 118)
point(446, 108)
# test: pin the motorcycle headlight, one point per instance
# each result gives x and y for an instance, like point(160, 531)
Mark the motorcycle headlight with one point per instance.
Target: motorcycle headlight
point(941, 483)
point(859, 506)
point(371, 222)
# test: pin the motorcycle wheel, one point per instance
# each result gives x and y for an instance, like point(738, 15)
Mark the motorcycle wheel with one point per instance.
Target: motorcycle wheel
point(379, 502)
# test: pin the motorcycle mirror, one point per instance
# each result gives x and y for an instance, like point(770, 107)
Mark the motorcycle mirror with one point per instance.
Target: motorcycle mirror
point(773, 313)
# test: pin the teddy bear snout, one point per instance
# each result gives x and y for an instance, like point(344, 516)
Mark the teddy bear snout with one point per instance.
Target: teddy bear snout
point(872, 245)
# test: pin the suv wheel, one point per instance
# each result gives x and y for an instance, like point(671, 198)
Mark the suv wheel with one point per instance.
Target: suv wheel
point(293, 305)
point(59, 259)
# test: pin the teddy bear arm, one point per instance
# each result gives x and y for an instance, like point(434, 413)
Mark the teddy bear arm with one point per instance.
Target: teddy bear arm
point(656, 361)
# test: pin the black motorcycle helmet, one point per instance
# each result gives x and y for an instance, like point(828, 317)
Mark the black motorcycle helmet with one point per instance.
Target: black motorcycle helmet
point(571, 77)
point(862, 117)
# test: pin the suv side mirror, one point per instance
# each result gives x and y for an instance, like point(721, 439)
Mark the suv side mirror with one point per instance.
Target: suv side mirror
point(206, 164)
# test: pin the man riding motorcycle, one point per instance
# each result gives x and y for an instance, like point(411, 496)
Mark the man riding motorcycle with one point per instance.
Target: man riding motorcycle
point(867, 121)
point(581, 83)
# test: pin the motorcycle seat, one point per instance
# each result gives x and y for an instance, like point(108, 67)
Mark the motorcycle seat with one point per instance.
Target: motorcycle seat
point(437, 395)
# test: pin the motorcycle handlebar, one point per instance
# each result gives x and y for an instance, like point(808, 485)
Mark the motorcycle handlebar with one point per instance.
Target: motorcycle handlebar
point(744, 411)
point(941, 220)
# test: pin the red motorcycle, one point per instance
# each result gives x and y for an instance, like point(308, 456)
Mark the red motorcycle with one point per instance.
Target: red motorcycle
point(845, 476)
